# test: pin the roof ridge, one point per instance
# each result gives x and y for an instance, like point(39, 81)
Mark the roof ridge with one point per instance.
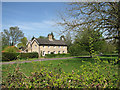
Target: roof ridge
point(46, 41)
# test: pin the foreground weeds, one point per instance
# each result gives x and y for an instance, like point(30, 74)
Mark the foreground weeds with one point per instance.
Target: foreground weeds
point(92, 75)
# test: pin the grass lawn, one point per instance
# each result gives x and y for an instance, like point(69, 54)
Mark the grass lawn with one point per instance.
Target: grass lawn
point(66, 65)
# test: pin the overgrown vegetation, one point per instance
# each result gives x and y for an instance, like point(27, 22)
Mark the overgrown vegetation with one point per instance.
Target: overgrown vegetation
point(9, 56)
point(72, 73)
point(11, 49)
point(6, 56)
point(28, 55)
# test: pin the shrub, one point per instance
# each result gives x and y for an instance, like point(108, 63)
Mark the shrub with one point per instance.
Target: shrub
point(76, 50)
point(8, 56)
point(28, 55)
point(57, 55)
point(11, 49)
point(44, 78)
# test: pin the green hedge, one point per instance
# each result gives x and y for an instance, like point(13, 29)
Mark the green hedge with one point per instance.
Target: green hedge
point(28, 55)
point(6, 56)
point(57, 55)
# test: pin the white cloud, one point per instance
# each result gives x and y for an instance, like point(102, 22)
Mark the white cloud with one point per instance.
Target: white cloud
point(34, 28)
point(31, 26)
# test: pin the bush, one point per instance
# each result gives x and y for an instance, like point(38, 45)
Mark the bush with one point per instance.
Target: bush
point(76, 50)
point(7, 56)
point(90, 77)
point(11, 49)
point(28, 55)
point(57, 55)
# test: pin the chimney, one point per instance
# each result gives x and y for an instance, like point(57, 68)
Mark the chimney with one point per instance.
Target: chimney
point(62, 38)
point(50, 37)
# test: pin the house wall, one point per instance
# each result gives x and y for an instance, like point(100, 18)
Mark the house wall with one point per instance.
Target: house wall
point(55, 49)
point(29, 47)
point(35, 47)
point(46, 49)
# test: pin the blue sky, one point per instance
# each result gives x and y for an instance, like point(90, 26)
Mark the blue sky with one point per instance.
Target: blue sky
point(33, 18)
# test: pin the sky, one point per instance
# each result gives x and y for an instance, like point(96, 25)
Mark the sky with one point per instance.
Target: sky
point(33, 18)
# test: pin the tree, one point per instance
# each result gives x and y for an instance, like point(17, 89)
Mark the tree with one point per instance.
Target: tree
point(108, 47)
point(12, 36)
point(103, 16)
point(42, 37)
point(68, 40)
point(11, 49)
point(22, 43)
point(83, 40)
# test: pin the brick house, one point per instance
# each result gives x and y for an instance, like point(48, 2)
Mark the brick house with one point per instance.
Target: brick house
point(46, 46)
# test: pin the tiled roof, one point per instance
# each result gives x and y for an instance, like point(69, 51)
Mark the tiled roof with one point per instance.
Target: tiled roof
point(42, 41)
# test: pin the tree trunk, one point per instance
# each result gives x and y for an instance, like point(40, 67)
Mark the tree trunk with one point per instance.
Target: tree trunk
point(119, 56)
point(119, 45)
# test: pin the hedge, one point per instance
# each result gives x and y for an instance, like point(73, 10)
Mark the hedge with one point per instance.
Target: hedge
point(28, 55)
point(57, 55)
point(7, 56)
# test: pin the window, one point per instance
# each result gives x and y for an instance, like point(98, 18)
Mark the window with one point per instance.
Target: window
point(54, 52)
point(43, 46)
point(63, 51)
point(63, 46)
point(58, 51)
point(48, 52)
point(48, 46)
point(54, 46)
point(35, 46)
point(59, 46)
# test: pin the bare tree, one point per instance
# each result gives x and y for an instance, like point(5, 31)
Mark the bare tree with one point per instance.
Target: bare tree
point(12, 36)
point(102, 16)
